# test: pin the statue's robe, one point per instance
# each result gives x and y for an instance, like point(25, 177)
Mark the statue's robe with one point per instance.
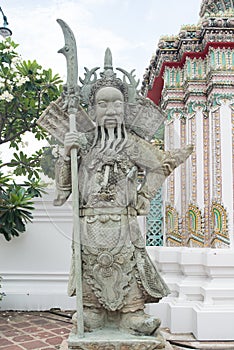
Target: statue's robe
point(117, 271)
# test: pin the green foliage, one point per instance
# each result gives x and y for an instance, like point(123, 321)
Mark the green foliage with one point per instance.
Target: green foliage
point(25, 165)
point(35, 188)
point(49, 157)
point(15, 211)
point(16, 205)
point(26, 89)
point(48, 162)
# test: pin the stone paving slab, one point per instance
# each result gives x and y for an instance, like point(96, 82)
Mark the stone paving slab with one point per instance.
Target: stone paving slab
point(32, 330)
point(47, 330)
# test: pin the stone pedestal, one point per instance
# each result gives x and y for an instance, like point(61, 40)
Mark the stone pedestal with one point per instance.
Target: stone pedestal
point(111, 339)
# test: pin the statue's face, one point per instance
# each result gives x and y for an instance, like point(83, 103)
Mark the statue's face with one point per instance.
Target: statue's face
point(109, 107)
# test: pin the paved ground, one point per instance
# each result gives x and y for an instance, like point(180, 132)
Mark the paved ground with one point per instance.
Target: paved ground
point(50, 329)
point(33, 330)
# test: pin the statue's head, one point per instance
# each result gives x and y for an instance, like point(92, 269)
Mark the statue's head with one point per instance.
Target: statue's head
point(109, 107)
point(116, 106)
point(91, 84)
point(108, 112)
point(107, 98)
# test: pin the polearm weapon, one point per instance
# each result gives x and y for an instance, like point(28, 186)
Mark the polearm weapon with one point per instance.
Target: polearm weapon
point(70, 52)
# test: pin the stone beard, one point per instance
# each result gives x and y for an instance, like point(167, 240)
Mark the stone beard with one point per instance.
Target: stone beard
point(110, 131)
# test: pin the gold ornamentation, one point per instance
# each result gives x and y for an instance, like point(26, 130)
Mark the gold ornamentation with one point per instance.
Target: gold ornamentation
point(173, 234)
point(195, 226)
point(219, 226)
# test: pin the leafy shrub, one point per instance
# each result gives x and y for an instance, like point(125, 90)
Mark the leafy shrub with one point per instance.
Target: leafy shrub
point(25, 91)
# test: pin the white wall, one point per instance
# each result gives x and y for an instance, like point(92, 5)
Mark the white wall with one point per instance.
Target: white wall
point(35, 266)
point(202, 285)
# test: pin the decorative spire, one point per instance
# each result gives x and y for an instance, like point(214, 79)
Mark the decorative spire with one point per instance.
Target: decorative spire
point(108, 59)
point(216, 6)
point(108, 72)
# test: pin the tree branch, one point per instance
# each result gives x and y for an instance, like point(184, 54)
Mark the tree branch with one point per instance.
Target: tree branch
point(15, 163)
point(13, 137)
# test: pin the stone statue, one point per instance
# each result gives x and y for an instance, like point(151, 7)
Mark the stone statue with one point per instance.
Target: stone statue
point(113, 136)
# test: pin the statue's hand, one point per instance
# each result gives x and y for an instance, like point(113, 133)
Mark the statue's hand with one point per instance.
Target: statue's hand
point(143, 205)
point(74, 140)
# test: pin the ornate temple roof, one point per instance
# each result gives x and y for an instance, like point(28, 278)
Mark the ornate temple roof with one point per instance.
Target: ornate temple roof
point(214, 29)
point(215, 6)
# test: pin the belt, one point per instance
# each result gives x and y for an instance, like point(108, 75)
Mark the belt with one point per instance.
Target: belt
point(108, 211)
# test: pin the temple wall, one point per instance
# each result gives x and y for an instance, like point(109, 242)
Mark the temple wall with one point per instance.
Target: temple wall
point(202, 291)
point(199, 194)
point(227, 163)
point(35, 266)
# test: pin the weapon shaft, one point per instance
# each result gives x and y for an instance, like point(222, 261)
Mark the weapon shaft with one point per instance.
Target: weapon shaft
point(76, 232)
point(70, 52)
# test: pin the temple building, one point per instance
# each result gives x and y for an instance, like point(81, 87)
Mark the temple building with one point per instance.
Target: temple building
point(191, 77)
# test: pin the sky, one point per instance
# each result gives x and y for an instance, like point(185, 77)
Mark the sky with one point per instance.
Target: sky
point(131, 28)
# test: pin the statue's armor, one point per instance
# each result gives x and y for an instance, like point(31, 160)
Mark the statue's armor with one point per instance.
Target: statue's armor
point(117, 272)
point(113, 138)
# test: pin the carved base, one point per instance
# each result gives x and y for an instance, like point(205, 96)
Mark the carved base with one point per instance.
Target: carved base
point(110, 339)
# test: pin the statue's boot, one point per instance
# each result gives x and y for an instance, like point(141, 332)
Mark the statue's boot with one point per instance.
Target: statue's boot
point(94, 319)
point(139, 323)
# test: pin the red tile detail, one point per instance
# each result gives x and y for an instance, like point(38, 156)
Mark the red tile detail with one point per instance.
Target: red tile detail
point(4, 328)
point(44, 335)
point(22, 325)
point(4, 342)
point(3, 321)
point(33, 329)
point(14, 347)
point(33, 345)
point(54, 340)
point(22, 338)
point(40, 321)
point(12, 333)
point(62, 331)
point(62, 323)
point(51, 326)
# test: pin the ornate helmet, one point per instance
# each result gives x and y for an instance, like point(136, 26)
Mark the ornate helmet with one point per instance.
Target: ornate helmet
point(91, 84)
